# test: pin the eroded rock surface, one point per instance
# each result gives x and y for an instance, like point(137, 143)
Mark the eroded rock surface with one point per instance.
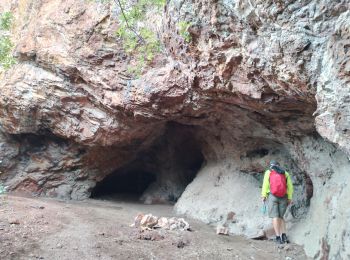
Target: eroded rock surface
point(259, 80)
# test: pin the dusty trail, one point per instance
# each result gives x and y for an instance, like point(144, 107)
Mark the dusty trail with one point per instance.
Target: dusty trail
point(92, 229)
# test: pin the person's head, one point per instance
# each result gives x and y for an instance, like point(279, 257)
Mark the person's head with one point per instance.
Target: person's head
point(274, 163)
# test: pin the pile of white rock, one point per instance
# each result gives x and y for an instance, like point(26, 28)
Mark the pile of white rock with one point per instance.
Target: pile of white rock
point(149, 222)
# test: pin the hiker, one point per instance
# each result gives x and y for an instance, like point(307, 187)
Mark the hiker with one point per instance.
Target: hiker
point(277, 189)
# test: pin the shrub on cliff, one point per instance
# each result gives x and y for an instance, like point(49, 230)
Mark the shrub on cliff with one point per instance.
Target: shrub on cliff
point(139, 37)
point(6, 45)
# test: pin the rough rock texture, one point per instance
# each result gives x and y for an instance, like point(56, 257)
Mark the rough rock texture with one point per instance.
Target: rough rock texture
point(327, 223)
point(333, 113)
point(228, 192)
point(257, 81)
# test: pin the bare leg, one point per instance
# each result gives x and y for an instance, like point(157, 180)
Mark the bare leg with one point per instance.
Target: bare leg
point(280, 226)
point(283, 226)
point(276, 226)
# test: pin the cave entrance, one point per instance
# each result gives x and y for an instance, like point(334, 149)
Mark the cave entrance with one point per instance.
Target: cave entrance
point(160, 173)
point(127, 182)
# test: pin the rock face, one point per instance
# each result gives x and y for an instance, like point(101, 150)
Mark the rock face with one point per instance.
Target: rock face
point(259, 80)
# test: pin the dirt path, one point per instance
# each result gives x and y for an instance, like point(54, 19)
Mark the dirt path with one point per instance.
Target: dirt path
point(50, 229)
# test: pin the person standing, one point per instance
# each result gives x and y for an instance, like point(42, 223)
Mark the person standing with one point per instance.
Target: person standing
point(277, 189)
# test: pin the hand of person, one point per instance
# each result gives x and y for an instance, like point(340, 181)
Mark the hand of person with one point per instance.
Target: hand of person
point(289, 202)
point(263, 199)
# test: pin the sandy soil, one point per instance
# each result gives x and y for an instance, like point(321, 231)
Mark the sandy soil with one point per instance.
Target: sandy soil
point(97, 229)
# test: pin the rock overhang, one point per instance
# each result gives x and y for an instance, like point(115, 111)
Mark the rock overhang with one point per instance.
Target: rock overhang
point(247, 84)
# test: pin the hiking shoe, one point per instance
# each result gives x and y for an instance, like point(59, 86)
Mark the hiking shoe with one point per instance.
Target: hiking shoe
point(284, 238)
point(279, 240)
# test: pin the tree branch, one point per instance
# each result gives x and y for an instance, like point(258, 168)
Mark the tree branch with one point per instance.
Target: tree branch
point(126, 21)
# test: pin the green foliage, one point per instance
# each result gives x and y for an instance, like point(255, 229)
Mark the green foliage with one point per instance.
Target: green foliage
point(183, 30)
point(5, 21)
point(152, 45)
point(3, 194)
point(130, 39)
point(138, 39)
point(2, 189)
point(6, 58)
point(137, 69)
point(6, 45)
point(99, 1)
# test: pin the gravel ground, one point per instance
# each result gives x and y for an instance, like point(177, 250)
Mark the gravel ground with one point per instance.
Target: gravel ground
point(37, 228)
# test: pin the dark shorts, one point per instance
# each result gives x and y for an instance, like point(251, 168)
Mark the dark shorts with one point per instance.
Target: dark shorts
point(277, 207)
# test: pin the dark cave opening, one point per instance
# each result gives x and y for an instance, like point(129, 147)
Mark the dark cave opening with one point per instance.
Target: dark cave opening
point(160, 172)
point(124, 181)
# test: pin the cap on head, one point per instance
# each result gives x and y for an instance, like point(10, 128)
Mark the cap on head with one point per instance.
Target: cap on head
point(274, 163)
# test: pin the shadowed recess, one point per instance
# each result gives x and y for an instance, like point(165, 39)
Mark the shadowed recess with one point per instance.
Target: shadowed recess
point(124, 181)
point(160, 173)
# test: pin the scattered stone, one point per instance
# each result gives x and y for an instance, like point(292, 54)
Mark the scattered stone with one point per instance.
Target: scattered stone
point(288, 248)
point(14, 222)
point(151, 235)
point(181, 243)
point(258, 235)
point(37, 207)
point(152, 222)
point(163, 223)
point(120, 242)
point(178, 224)
point(221, 230)
point(149, 221)
point(231, 216)
point(59, 245)
point(269, 233)
point(137, 220)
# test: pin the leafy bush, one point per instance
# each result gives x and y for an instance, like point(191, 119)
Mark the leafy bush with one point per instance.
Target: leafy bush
point(6, 58)
point(6, 45)
point(138, 39)
point(6, 21)
point(3, 195)
point(2, 189)
point(183, 30)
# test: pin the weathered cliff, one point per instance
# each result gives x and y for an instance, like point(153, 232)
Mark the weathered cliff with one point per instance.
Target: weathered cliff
point(259, 80)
